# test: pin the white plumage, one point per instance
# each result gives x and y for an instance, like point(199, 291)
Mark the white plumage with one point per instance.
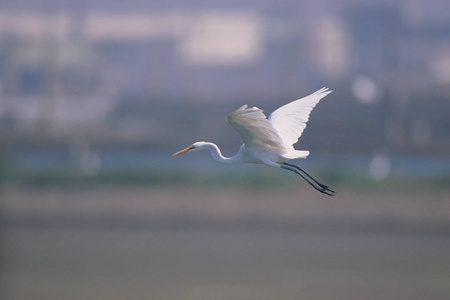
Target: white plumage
point(255, 129)
point(290, 119)
point(270, 140)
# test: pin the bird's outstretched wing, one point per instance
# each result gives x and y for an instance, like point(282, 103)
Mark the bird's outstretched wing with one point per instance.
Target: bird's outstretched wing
point(254, 127)
point(290, 120)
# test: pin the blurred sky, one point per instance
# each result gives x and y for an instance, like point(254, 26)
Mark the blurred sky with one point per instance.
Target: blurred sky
point(162, 74)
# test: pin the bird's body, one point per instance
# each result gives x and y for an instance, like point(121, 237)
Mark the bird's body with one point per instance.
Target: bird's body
point(269, 141)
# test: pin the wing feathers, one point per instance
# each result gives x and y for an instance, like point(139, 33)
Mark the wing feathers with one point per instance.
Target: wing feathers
point(283, 127)
point(290, 120)
point(254, 127)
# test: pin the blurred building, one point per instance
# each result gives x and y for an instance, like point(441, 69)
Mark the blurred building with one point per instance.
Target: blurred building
point(105, 69)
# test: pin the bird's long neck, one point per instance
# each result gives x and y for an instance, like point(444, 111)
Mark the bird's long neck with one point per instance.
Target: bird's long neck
point(217, 154)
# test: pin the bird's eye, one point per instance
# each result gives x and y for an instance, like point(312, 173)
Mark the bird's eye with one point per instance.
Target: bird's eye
point(191, 147)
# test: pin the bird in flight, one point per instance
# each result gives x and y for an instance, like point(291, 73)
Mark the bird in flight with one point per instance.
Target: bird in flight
point(270, 141)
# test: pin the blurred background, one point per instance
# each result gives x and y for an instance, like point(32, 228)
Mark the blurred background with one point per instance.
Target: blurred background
point(96, 95)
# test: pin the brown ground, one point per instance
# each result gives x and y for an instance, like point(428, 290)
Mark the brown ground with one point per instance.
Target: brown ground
point(192, 242)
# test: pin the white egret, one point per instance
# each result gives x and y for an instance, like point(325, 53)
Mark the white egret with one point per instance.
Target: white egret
point(270, 141)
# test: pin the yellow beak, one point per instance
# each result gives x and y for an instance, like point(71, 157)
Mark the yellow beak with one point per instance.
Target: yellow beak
point(182, 151)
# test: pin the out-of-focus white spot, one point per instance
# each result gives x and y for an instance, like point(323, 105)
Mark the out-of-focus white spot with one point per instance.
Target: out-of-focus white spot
point(440, 66)
point(379, 167)
point(365, 89)
point(89, 161)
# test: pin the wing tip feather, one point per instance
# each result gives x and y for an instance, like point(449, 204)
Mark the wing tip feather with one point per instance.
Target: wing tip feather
point(324, 90)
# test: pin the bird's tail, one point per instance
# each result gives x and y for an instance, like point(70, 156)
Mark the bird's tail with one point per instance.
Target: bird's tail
point(296, 154)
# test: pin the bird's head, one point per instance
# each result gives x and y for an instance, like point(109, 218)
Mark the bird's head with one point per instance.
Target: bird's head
point(194, 147)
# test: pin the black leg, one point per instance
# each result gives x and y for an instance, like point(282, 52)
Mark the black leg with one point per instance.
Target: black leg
point(304, 172)
point(319, 188)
